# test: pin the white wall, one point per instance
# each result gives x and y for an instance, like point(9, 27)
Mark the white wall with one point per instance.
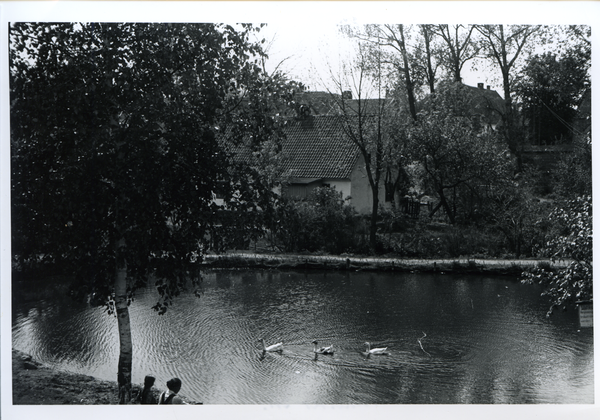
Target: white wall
point(340, 185)
point(362, 196)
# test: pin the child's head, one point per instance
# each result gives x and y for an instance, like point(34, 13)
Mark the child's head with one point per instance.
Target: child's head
point(174, 385)
point(149, 381)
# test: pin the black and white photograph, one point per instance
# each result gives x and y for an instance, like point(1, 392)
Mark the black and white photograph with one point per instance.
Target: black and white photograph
point(297, 209)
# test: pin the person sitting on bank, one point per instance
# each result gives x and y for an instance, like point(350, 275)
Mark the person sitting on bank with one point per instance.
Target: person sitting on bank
point(170, 396)
point(147, 396)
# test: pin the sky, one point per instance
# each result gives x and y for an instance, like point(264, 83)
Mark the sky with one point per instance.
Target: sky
point(306, 42)
point(306, 53)
point(312, 54)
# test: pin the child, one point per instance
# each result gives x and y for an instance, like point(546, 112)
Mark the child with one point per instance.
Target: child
point(147, 395)
point(170, 396)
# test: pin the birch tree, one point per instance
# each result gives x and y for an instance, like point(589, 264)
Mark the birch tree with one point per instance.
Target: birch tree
point(116, 156)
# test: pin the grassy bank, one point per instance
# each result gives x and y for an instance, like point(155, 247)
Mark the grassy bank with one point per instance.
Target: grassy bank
point(353, 263)
point(36, 384)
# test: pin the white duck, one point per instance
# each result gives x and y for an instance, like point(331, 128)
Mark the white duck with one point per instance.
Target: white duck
point(322, 350)
point(273, 347)
point(378, 350)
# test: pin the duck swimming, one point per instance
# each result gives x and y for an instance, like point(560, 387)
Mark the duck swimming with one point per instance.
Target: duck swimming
point(322, 350)
point(378, 350)
point(273, 347)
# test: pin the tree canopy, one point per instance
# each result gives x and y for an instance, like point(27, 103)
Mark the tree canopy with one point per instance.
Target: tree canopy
point(118, 147)
point(550, 90)
point(453, 150)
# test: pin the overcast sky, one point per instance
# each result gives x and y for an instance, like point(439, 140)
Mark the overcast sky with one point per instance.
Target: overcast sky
point(310, 54)
point(306, 42)
point(306, 53)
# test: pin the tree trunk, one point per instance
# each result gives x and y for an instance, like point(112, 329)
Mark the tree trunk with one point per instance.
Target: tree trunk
point(456, 70)
point(124, 325)
point(373, 227)
point(512, 136)
point(446, 206)
point(409, 83)
point(430, 75)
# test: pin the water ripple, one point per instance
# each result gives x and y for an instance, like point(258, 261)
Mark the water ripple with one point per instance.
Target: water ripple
point(451, 340)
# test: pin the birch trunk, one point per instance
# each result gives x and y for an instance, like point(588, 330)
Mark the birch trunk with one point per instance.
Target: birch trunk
point(124, 325)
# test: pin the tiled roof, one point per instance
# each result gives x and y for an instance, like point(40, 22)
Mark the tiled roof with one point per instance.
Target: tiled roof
point(316, 147)
point(325, 103)
point(486, 102)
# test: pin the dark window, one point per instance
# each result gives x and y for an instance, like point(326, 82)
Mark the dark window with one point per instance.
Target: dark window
point(389, 192)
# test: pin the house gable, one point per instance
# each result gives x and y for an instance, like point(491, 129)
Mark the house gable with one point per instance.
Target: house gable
point(486, 103)
point(317, 153)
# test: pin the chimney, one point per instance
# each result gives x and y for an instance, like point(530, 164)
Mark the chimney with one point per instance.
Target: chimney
point(480, 85)
point(346, 94)
point(489, 87)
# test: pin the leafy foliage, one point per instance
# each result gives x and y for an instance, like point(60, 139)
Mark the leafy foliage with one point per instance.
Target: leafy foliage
point(550, 90)
point(322, 222)
point(422, 239)
point(575, 243)
point(117, 153)
point(523, 220)
point(573, 175)
point(115, 135)
point(453, 150)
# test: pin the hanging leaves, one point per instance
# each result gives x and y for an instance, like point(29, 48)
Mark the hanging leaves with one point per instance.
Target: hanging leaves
point(575, 243)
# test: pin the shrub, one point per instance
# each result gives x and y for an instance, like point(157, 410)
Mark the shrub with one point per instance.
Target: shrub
point(573, 283)
point(322, 222)
point(437, 240)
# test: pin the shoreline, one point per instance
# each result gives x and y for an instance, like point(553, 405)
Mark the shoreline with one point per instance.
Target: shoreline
point(34, 383)
point(246, 259)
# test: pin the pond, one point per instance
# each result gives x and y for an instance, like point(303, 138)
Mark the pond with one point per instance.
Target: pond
point(452, 339)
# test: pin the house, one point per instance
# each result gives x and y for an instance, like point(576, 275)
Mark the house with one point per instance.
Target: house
point(319, 154)
point(486, 104)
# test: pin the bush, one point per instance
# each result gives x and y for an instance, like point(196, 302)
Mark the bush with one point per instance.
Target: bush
point(322, 222)
point(574, 242)
point(437, 240)
point(521, 217)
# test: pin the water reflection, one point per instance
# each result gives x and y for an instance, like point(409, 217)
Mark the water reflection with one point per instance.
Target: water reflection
point(453, 339)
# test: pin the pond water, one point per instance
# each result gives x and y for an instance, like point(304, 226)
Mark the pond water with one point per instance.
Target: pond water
point(452, 340)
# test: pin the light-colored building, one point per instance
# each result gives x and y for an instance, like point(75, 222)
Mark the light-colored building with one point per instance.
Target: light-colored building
point(318, 153)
